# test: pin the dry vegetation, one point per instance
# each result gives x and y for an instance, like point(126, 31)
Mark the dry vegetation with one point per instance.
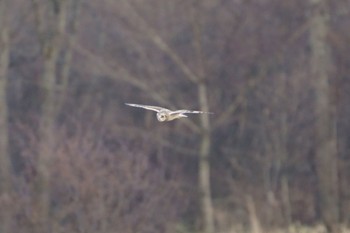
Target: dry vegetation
point(273, 158)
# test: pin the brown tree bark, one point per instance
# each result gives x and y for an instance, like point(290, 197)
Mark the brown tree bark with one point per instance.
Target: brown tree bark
point(326, 139)
point(5, 162)
point(70, 41)
point(205, 143)
point(204, 164)
point(253, 217)
point(51, 19)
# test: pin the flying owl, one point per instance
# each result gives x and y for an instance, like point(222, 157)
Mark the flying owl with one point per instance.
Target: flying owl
point(164, 114)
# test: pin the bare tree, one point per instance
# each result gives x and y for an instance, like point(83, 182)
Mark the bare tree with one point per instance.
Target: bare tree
point(247, 61)
point(51, 23)
point(326, 139)
point(205, 144)
point(72, 7)
point(106, 185)
point(5, 162)
point(197, 76)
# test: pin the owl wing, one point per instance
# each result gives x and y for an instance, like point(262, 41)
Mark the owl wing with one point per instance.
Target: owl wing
point(148, 107)
point(184, 111)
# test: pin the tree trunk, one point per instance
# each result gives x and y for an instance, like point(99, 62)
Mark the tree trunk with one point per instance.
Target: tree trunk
point(204, 164)
point(68, 53)
point(205, 145)
point(5, 162)
point(46, 132)
point(253, 217)
point(326, 150)
point(52, 23)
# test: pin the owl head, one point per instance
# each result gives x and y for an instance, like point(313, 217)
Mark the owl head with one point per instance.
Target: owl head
point(161, 116)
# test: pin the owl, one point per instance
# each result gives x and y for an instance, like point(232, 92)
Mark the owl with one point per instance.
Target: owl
point(164, 114)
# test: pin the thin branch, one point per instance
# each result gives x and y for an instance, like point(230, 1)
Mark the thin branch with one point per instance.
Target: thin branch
point(125, 76)
point(264, 67)
point(161, 44)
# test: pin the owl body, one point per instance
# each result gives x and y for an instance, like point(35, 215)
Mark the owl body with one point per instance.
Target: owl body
point(164, 114)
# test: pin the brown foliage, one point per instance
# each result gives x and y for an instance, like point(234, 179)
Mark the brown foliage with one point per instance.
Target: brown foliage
point(96, 186)
point(252, 57)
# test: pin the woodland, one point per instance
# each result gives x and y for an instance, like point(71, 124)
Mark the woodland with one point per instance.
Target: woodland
point(274, 156)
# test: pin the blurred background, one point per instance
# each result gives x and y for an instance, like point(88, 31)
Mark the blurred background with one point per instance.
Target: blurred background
point(273, 158)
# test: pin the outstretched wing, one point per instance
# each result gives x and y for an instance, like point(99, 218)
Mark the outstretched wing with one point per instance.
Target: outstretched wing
point(148, 107)
point(183, 111)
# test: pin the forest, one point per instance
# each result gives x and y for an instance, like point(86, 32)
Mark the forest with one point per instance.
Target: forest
point(273, 157)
